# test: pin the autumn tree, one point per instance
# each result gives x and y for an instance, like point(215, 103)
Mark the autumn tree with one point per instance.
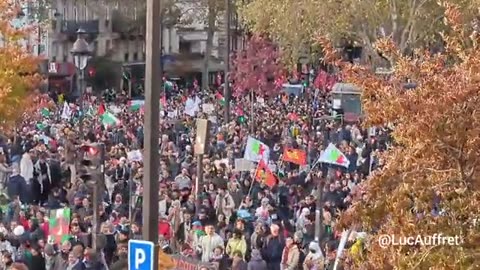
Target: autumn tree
point(257, 68)
point(430, 183)
point(17, 66)
point(296, 24)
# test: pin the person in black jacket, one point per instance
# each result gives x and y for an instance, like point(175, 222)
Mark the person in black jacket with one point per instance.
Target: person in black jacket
point(17, 186)
point(38, 261)
point(92, 260)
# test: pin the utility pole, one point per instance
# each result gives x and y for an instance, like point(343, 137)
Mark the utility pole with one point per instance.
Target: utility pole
point(198, 183)
point(93, 167)
point(81, 84)
point(226, 87)
point(201, 147)
point(153, 81)
point(319, 228)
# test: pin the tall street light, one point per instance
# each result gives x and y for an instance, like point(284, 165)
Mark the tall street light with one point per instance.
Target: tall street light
point(226, 87)
point(81, 53)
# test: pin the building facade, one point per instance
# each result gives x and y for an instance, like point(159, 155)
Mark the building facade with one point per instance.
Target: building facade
point(36, 41)
point(112, 33)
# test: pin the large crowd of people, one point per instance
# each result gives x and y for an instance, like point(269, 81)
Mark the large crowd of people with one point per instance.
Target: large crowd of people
point(251, 215)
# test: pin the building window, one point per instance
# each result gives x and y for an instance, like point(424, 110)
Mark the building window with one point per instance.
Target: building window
point(125, 57)
point(144, 56)
point(108, 44)
point(54, 48)
point(65, 49)
point(135, 56)
point(95, 47)
point(185, 47)
point(75, 13)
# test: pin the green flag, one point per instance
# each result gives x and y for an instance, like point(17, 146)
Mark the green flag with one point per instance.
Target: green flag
point(41, 126)
point(45, 112)
point(108, 119)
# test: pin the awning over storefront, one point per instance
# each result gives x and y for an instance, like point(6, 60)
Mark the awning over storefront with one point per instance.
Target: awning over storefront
point(64, 69)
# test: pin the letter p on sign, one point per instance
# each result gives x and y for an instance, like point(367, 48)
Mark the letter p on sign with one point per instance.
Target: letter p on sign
point(140, 258)
point(140, 255)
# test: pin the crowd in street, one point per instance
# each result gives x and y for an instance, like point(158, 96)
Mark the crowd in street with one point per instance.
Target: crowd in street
point(255, 213)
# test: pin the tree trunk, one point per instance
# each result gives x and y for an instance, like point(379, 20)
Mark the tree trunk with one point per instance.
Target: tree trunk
point(212, 15)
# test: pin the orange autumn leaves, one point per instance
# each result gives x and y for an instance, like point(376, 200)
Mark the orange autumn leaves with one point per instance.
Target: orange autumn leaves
point(17, 67)
point(431, 181)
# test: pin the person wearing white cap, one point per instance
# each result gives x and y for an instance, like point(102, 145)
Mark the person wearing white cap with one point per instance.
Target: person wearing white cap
point(314, 258)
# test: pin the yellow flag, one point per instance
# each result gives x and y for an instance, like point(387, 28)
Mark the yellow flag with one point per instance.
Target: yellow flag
point(165, 262)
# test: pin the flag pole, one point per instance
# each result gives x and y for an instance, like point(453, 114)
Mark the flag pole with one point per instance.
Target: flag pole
point(314, 165)
point(254, 179)
point(281, 161)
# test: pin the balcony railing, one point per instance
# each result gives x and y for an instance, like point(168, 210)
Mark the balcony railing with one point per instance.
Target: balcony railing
point(70, 27)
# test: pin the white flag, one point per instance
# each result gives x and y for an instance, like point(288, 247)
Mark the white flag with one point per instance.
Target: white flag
point(67, 112)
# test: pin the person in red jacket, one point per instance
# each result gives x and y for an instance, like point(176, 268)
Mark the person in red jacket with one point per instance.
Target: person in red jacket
point(23, 220)
point(43, 222)
point(164, 228)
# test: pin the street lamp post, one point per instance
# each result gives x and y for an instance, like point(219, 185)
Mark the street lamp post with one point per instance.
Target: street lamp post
point(227, 94)
point(81, 54)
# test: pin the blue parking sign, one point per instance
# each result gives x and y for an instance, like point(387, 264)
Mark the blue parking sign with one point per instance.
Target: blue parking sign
point(140, 255)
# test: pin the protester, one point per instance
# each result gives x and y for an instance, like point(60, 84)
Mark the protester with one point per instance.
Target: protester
point(259, 214)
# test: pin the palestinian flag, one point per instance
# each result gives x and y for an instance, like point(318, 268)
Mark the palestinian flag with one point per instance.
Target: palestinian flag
point(41, 126)
point(108, 119)
point(256, 151)
point(59, 225)
point(332, 155)
point(264, 175)
point(296, 156)
point(45, 112)
point(220, 98)
point(101, 109)
point(136, 105)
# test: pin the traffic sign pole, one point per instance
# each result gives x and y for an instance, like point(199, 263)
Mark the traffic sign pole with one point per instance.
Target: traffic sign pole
point(142, 255)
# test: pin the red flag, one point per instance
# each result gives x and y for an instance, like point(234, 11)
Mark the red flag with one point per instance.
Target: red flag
point(101, 109)
point(239, 111)
point(218, 96)
point(321, 80)
point(296, 156)
point(293, 117)
point(163, 101)
point(331, 81)
point(265, 175)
